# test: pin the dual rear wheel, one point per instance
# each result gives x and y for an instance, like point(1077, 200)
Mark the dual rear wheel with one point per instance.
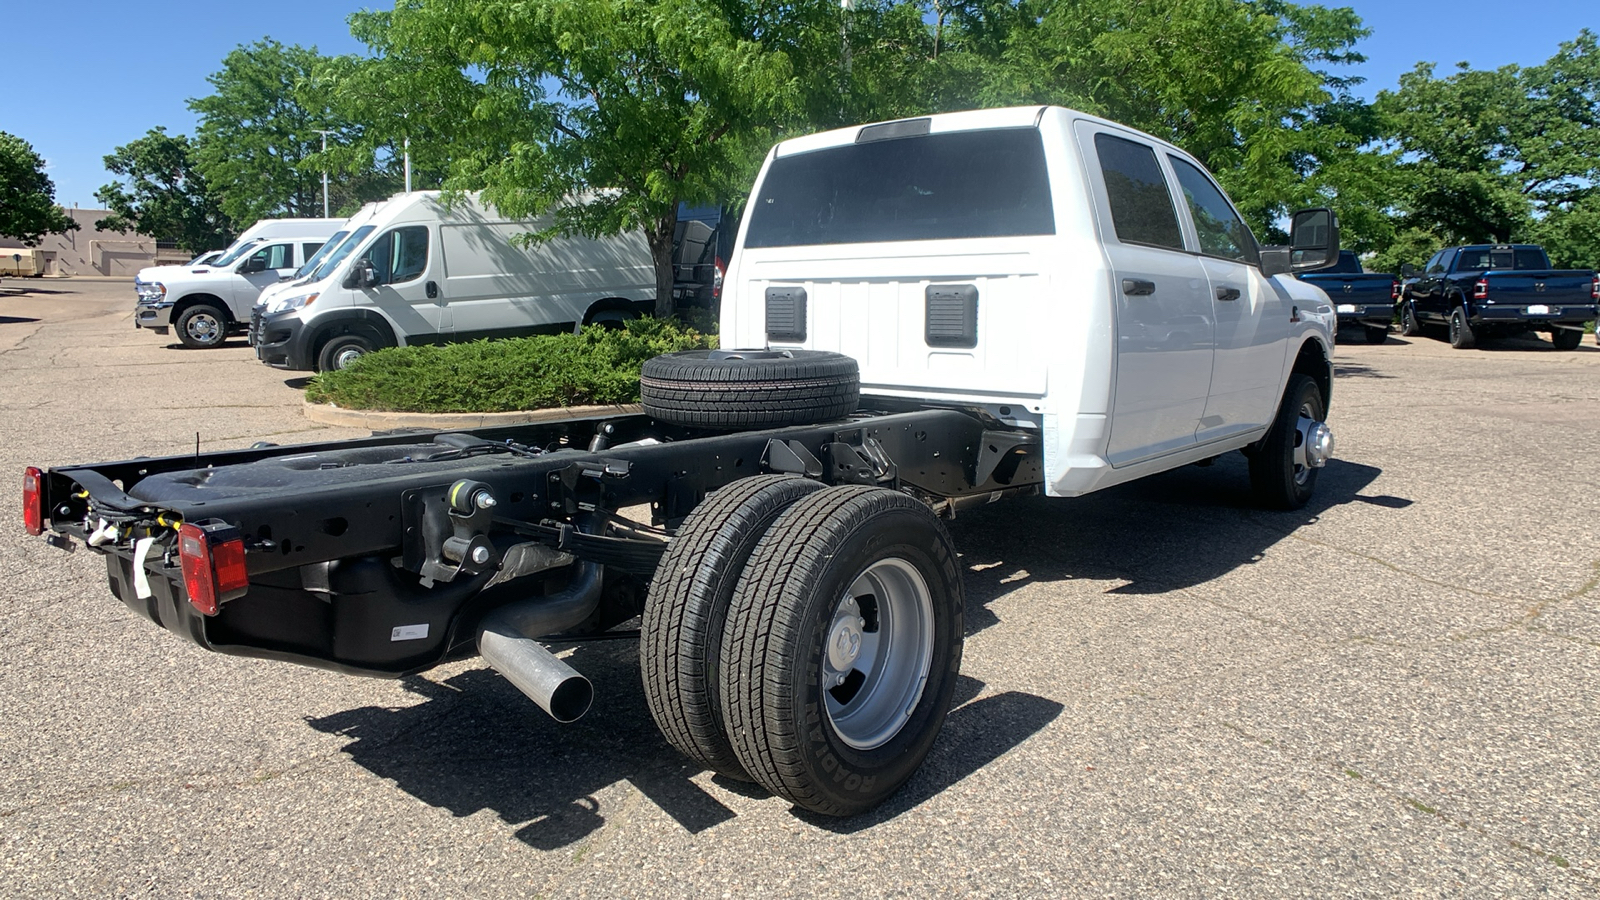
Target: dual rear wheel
point(806, 638)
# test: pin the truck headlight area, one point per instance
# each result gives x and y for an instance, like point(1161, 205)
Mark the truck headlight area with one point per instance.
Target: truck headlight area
point(285, 304)
point(149, 290)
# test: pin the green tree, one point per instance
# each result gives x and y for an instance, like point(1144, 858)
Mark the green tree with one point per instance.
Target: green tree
point(608, 112)
point(28, 209)
point(1502, 155)
point(258, 141)
point(160, 193)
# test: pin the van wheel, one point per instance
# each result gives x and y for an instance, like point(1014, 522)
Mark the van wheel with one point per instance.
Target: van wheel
point(680, 641)
point(1283, 469)
point(342, 350)
point(740, 389)
point(612, 319)
point(1566, 338)
point(842, 648)
point(202, 326)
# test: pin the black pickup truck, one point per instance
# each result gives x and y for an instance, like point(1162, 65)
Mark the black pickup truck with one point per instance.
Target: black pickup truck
point(1494, 290)
point(1359, 297)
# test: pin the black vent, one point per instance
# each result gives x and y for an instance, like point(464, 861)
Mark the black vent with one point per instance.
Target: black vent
point(786, 313)
point(952, 315)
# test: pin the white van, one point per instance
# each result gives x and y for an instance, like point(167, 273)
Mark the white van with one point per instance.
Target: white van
point(316, 266)
point(208, 302)
point(419, 272)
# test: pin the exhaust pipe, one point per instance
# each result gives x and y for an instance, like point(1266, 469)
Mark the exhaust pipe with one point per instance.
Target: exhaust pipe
point(506, 639)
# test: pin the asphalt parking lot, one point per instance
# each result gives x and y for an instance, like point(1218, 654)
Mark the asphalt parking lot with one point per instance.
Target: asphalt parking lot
point(1165, 693)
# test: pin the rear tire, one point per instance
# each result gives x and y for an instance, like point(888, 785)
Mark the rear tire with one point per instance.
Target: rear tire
point(680, 641)
point(1461, 336)
point(1566, 338)
point(763, 389)
point(202, 326)
point(842, 648)
point(1377, 334)
point(342, 350)
point(1280, 477)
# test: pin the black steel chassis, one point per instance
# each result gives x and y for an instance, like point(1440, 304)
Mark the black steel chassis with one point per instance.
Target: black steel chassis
point(336, 568)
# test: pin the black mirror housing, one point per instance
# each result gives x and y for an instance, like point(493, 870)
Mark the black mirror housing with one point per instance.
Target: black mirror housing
point(1313, 239)
point(252, 265)
point(1407, 270)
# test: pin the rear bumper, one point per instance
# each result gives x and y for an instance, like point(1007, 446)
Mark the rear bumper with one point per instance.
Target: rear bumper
point(1365, 313)
point(1567, 315)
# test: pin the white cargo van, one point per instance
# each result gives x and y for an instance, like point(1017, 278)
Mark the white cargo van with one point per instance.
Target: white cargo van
point(207, 302)
point(419, 272)
point(317, 265)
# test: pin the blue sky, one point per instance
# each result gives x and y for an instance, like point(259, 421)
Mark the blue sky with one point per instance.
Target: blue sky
point(80, 80)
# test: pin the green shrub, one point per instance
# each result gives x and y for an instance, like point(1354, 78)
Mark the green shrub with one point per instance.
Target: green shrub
point(597, 366)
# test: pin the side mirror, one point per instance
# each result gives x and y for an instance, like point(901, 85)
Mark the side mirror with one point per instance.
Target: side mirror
point(252, 265)
point(1407, 270)
point(361, 275)
point(1313, 239)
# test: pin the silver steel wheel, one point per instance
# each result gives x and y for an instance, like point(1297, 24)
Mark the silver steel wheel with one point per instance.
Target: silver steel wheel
point(1313, 444)
point(347, 356)
point(878, 651)
point(203, 327)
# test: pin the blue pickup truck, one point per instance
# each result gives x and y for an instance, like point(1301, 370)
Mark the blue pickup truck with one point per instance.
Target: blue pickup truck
point(1491, 290)
point(1358, 297)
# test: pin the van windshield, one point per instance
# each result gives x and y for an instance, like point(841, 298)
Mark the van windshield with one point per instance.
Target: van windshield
point(316, 258)
point(237, 252)
point(961, 184)
point(333, 259)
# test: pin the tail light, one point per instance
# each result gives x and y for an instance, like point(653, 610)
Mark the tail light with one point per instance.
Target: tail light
point(1480, 290)
point(1394, 290)
point(1594, 289)
point(721, 269)
point(32, 501)
point(212, 555)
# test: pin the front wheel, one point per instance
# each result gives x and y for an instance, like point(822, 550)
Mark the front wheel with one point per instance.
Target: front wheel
point(1283, 469)
point(1566, 338)
point(842, 648)
point(343, 350)
point(202, 326)
point(1461, 336)
point(1409, 326)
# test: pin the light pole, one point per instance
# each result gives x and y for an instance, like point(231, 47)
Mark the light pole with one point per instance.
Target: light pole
point(847, 7)
point(324, 132)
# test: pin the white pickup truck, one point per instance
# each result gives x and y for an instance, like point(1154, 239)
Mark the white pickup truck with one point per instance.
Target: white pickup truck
point(939, 313)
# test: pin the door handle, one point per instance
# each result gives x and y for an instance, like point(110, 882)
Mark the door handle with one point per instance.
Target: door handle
point(1138, 287)
point(432, 288)
point(1227, 293)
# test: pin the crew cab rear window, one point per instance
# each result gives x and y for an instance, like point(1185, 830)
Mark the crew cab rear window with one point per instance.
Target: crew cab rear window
point(1480, 259)
point(964, 184)
point(1141, 205)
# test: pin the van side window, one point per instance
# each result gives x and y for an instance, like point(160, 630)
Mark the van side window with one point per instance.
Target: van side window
point(1219, 227)
point(1141, 205)
point(400, 255)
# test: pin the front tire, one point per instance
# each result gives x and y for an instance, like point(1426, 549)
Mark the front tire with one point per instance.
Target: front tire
point(1409, 326)
point(1283, 470)
point(842, 648)
point(342, 350)
point(1461, 336)
point(202, 326)
point(680, 641)
point(1566, 338)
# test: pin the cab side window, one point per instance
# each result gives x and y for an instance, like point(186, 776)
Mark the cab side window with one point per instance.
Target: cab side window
point(1221, 231)
point(1436, 264)
point(1141, 204)
point(275, 256)
point(309, 250)
point(400, 255)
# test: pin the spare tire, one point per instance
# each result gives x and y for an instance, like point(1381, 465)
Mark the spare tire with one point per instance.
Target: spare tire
point(739, 389)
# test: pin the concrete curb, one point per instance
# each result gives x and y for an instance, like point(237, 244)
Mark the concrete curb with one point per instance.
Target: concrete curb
point(377, 420)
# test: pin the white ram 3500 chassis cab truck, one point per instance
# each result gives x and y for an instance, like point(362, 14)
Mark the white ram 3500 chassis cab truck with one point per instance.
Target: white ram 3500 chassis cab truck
point(935, 313)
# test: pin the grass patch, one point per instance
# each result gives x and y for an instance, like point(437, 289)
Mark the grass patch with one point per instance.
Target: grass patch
point(598, 366)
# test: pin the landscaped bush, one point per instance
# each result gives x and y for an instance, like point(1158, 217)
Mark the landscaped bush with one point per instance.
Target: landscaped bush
point(595, 367)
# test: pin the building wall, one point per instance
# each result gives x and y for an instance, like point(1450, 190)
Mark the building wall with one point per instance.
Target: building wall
point(90, 251)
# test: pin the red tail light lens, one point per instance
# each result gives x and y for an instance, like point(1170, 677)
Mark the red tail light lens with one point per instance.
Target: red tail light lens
point(1481, 289)
point(721, 268)
point(1594, 288)
point(212, 556)
point(1394, 290)
point(32, 501)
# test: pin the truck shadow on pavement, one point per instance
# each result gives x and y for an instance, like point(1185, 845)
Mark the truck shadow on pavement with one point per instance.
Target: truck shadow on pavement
point(474, 743)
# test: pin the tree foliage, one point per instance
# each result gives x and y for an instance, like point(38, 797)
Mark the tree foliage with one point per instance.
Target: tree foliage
point(160, 193)
point(28, 209)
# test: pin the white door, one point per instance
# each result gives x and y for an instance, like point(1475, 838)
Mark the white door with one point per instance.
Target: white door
point(1251, 323)
point(407, 292)
point(1165, 329)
